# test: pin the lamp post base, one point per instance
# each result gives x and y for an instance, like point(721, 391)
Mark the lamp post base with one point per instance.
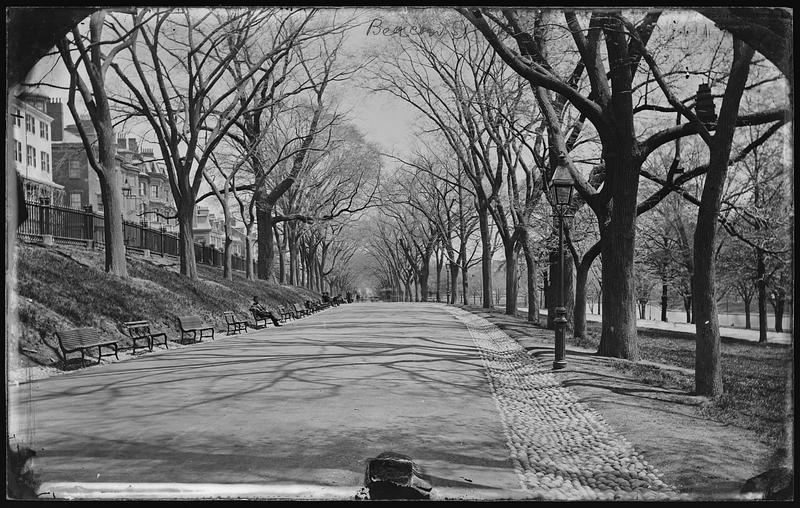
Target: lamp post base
point(560, 324)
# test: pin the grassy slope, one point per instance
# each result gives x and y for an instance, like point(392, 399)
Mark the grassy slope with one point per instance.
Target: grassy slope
point(67, 287)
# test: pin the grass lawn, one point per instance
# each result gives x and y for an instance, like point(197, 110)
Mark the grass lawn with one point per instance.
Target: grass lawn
point(756, 378)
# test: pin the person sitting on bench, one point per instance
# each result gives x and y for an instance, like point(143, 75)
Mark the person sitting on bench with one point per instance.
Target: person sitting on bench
point(260, 312)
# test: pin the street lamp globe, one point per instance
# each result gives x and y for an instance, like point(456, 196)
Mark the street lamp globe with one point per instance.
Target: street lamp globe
point(562, 184)
point(126, 189)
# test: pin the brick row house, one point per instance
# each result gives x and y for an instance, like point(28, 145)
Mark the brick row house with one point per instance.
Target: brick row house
point(52, 163)
point(146, 193)
point(32, 126)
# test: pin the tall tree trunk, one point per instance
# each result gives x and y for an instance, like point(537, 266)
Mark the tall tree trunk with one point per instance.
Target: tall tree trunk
point(511, 252)
point(439, 264)
point(266, 248)
point(777, 305)
point(687, 306)
point(708, 371)
point(111, 195)
point(453, 283)
point(761, 285)
point(486, 257)
point(747, 324)
point(664, 301)
point(188, 263)
point(619, 338)
point(227, 263)
point(282, 246)
point(581, 278)
point(464, 284)
point(424, 274)
point(531, 268)
point(249, 273)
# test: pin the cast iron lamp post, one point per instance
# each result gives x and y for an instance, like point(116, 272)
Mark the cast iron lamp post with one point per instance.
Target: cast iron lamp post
point(562, 195)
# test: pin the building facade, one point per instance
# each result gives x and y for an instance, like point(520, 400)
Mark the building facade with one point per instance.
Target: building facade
point(207, 229)
point(147, 198)
point(32, 149)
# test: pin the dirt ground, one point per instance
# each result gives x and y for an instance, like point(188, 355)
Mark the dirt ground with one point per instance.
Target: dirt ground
point(698, 456)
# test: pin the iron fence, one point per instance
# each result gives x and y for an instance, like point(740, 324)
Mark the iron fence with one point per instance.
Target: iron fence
point(85, 227)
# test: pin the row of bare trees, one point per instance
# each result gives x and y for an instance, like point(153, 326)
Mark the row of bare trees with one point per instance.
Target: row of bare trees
point(239, 100)
point(598, 92)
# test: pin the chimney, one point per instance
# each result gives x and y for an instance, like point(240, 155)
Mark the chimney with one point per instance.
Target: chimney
point(132, 145)
point(56, 110)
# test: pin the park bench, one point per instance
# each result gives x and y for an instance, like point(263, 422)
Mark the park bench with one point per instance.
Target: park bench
point(140, 330)
point(193, 325)
point(300, 310)
point(235, 325)
point(81, 339)
point(285, 313)
point(257, 319)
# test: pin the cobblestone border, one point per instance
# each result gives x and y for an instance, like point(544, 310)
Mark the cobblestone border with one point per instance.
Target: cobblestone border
point(561, 448)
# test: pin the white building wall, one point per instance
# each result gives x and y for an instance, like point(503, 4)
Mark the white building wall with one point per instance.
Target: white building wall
point(33, 139)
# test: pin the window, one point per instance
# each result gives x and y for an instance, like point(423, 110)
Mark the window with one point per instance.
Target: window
point(75, 200)
point(45, 162)
point(44, 130)
point(30, 124)
point(17, 151)
point(17, 118)
point(30, 153)
point(154, 191)
point(142, 188)
point(74, 168)
point(99, 200)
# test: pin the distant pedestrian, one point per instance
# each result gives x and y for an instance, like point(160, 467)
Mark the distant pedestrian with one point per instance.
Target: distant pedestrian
point(261, 312)
point(349, 297)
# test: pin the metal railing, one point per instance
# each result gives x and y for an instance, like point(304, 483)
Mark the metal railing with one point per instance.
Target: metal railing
point(85, 227)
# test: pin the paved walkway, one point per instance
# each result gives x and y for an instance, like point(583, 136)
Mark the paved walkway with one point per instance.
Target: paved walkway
point(295, 412)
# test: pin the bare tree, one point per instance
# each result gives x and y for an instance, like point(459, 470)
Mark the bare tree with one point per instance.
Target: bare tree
point(179, 81)
point(609, 108)
point(94, 63)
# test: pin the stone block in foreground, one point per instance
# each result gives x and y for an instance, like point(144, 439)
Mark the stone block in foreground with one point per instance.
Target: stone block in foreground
point(393, 475)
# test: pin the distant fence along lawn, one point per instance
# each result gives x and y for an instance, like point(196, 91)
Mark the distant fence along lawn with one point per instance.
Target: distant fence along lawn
point(84, 228)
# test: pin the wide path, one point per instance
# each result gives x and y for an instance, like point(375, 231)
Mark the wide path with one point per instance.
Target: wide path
point(304, 404)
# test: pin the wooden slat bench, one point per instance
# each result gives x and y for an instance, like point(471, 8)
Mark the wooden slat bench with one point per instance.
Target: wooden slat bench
point(257, 320)
point(235, 325)
point(140, 330)
point(193, 325)
point(300, 310)
point(81, 339)
point(285, 313)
